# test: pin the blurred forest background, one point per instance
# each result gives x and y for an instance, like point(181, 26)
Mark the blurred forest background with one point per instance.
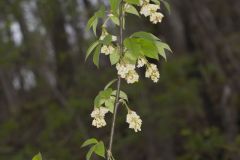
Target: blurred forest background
point(47, 90)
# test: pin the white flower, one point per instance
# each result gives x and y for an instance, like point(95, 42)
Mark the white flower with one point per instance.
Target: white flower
point(134, 121)
point(145, 11)
point(98, 114)
point(132, 77)
point(141, 62)
point(149, 9)
point(156, 17)
point(104, 49)
point(103, 35)
point(152, 72)
point(127, 71)
point(142, 2)
point(114, 38)
point(107, 49)
point(123, 69)
point(110, 15)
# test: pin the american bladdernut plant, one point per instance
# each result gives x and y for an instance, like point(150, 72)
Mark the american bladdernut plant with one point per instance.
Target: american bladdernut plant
point(125, 55)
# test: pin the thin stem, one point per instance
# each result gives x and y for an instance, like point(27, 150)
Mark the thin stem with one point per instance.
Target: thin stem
point(116, 103)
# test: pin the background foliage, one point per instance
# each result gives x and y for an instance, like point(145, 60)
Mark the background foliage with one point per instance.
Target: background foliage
point(47, 90)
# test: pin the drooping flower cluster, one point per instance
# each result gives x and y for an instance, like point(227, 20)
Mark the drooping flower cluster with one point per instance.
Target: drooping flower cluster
point(107, 49)
point(149, 9)
point(141, 62)
point(127, 71)
point(134, 121)
point(152, 72)
point(98, 115)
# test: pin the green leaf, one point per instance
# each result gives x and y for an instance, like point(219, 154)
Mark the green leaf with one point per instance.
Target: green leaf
point(89, 142)
point(114, 5)
point(130, 58)
point(133, 46)
point(166, 4)
point(90, 152)
point(131, 9)
point(114, 57)
point(91, 48)
point(98, 101)
point(93, 21)
point(148, 48)
point(115, 20)
point(122, 95)
point(145, 35)
point(110, 104)
point(100, 149)
point(96, 56)
point(161, 49)
point(162, 52)
point(90, 22)
point(94, 26)
point(107, 40)
point(102, 97)
point(106, 93)
point(156, 2)
point(110, 83)
point(166, 46)
point(37, 157)
point(137, 2)
point(101, 12)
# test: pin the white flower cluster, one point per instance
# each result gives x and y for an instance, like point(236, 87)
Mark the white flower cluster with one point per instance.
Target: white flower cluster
point(134, 121)
point(98, 114)
point(152, 72)
point(107, 49)
point(127, 71)
point(151, 10)
point(141, 62)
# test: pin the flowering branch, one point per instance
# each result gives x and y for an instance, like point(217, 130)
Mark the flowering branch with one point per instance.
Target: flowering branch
point(127, 54)
point(109, 153)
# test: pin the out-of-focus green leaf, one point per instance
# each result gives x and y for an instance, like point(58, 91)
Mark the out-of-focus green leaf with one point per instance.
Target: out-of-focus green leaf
point(89, 142)
point(148, 48)
point(110, 83)
point(96, 56)
point(131, 9)
point(100, 149)
point(94, 26)
point(91, 48)
point(37, 157)
point(90, 22)
point(133, 46)
point(167, 5)
point(110, 104)
point(122, 95)
point(115, 20)
point(107, 40)
point(102, 97)
point(156, 2)
point(93, 21)
point(130, 58)
point(101, 12)
point(161, 49)
point(90, 152)
point(114, 5)
point(137, 2)
point(145, 35)
point(114, 57)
